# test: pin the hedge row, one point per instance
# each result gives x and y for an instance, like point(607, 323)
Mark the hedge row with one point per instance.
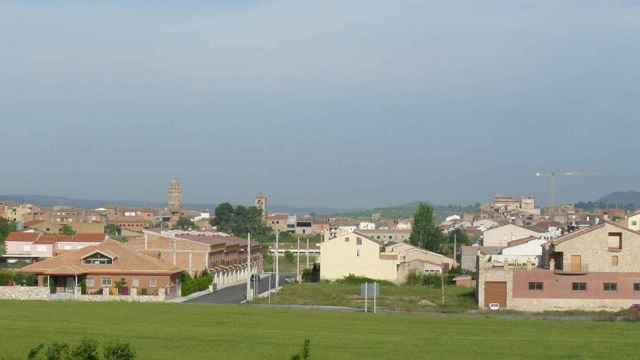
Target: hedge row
point(193, 285)
point(12, 278)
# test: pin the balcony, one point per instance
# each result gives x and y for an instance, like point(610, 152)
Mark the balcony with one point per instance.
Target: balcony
point(573, 269)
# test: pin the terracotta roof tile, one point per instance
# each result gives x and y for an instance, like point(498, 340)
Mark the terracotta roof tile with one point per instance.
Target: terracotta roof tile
point(126, 261)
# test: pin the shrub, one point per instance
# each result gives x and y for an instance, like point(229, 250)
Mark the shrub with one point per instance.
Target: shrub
point(119, 351)
point(431, 280)
point(305, 354)
point(357, 280)
point(86, 350)
point(9, 278)
point(143, 292)
point(83, 287)
point(199, 283)
point(311, 275)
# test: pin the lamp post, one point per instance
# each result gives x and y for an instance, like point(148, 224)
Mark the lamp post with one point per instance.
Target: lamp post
point(277, 260)
point(249, 295)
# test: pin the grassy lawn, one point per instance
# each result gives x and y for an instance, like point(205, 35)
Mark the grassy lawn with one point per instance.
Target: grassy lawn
point(174, 331)
point(395, 298)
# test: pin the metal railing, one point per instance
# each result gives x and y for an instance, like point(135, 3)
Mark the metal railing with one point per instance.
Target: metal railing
point(574, 268)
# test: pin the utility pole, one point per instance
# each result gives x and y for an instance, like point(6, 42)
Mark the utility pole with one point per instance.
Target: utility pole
point(298, 263)
point(277, 258)
point(307, 253)
point(455, 246)
point(249, 295)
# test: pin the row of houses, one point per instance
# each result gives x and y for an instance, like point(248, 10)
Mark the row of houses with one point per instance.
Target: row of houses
point(150, 264)
point(595, 268)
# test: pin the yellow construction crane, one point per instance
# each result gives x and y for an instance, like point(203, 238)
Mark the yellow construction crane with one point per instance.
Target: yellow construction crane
point(552, 184)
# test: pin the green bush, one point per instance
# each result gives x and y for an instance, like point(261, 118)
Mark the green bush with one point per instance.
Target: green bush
point(9, 278)
point(88, 349)
point(357, 280)
point(119, 351)
point(431, 280)
point(193, 285)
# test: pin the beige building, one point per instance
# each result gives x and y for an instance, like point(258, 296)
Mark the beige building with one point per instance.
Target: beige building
point(633, 222)
point(592, 269)
point(356, 254)
point(501, 236)
point(387, 235)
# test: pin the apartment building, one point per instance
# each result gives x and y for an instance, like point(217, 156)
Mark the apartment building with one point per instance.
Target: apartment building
point(591, 269)
point(359, 255)
point(223, 255)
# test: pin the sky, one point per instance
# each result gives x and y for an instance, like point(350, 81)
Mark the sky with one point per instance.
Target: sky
point(342, 104)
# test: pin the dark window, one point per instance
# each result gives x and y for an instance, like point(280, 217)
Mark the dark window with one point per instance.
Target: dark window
point(610, 287)
point(579, 286)
point(615, 240)
point(636, 287)
point(359, 241)
point(536, 286)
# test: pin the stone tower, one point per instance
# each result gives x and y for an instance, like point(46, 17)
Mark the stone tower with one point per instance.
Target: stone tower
point(261, 203)
point(174, 196)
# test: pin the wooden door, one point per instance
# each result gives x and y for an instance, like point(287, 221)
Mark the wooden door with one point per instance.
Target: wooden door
point(495, 292)
point(576, 263)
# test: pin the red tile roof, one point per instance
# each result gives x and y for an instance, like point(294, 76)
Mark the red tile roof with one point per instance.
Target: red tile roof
point(40, 238)
point(125, 261)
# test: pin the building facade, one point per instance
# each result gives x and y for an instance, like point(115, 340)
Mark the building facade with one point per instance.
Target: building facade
point(591, 269)
point(356, 254)
point(501, 236)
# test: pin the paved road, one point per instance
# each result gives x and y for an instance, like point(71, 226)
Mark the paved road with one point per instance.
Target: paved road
point(235, 294)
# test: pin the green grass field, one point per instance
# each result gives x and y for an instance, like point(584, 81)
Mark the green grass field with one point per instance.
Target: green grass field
point(392, 298)
point(174, 331)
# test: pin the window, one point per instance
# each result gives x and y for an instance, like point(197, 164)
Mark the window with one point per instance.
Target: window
point(579, 286)
point(153, 283)
point(536, 286)
point(97, 259)
point(615, 240)
point(610, 286)
point(135, 283)
point(614, 260)
point(634, 223)
point(346, 239)
point(636, 287)
point(91, 282)
point(359, 241)
point(106, 282)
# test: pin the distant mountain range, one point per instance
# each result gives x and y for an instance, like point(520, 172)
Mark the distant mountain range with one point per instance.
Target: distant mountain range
point(622, 199)
point(50, 201)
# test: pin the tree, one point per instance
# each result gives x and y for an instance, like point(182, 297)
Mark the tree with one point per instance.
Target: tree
point(112, 230)
point(185, 224)
point(67, 230)
point(425, 233)
point(240, 221)
point(223, 217)
point(6, 228)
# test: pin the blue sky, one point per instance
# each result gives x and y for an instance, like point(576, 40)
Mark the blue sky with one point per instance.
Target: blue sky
point(329, 103)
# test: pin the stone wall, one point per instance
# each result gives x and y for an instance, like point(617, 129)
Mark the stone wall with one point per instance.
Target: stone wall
point(24, 293)
point(540, 305)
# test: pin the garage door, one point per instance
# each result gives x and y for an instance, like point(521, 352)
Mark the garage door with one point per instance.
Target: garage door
point(495, 293)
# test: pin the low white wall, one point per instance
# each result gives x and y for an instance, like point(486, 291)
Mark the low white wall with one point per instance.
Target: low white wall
point(24, 293)
point(540, 305)
point(124, 298)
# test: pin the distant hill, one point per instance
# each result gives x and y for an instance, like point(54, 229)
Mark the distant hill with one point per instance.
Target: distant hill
point(622, 199)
